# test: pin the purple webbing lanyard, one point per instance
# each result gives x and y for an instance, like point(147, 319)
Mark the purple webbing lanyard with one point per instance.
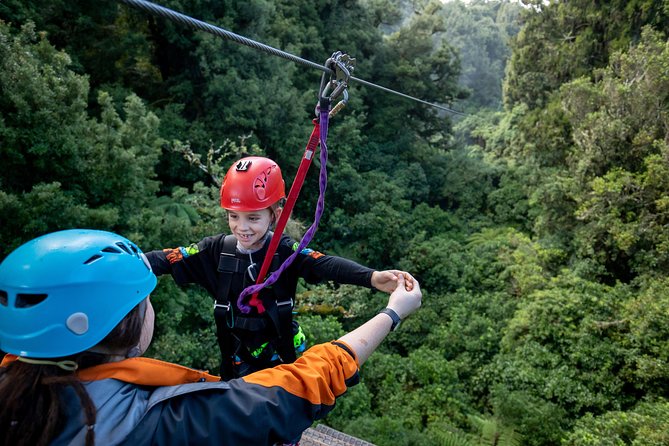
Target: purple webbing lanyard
point(320, 206)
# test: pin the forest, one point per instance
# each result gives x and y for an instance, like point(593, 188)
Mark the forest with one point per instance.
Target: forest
point(537, 223)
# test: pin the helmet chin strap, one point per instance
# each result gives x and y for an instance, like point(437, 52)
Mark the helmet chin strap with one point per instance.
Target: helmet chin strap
point(134, 352)
point(67, 365)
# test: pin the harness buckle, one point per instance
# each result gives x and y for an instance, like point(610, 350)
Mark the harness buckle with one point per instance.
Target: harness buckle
point(285, 302)
point(250, 270)
point(226, 306)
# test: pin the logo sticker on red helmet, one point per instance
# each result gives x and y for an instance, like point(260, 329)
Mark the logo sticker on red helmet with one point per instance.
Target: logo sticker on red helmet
point(260, 184)
point(243, 165)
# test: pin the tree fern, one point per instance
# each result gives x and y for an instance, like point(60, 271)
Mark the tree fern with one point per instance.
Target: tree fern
point(493, 433)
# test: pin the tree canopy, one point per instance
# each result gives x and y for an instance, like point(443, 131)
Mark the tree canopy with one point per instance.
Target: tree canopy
point(536, 224)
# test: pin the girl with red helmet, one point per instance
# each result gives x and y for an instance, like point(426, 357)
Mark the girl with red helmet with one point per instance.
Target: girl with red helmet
point(252, 194)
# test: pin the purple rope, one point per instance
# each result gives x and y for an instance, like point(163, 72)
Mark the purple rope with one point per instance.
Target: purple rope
point(320, 206)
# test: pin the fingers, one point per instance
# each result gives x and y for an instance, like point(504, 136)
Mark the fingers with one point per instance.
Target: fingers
point(408, 279)
point(416, 287)
point(388, 280)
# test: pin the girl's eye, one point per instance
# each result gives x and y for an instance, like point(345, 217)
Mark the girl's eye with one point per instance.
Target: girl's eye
point(232, 216)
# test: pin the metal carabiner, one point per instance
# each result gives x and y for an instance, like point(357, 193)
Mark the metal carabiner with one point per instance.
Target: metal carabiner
point(341, 66)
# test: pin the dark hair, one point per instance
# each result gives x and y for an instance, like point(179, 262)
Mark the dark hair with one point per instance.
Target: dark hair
point(33, 411)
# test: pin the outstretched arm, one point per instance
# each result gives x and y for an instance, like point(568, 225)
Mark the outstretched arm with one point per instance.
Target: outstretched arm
point(366, 338)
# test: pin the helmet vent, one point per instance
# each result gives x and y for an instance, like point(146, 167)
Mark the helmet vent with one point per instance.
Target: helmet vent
point(123, 247)
point(29, 300)
point(3, 298)
point(112, 249)
point(92, 259)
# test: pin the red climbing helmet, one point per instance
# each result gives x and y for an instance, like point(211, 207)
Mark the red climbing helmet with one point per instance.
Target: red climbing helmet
point(251, 184)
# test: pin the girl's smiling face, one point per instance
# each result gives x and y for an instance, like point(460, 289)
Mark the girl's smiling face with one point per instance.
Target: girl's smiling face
point(249, 228)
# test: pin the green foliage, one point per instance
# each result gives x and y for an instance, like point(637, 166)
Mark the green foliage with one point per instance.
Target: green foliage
point(468, 180)
point(385, 430)
point(185, 330)
point(492, 432)
point(562, 41)
point(341, 300)
point(539, 421)
point(319, 330)
point(438, 262)
point(43, 110)
point(368, 225)
point(620, 158)
point(355, 406)
point(63, 168)
point(538, 233)
point(480, 31)
point(419, 389)
point(102, 40)
point(647, 316)
point(467, 327)
point(564, 329)
point(645, 425)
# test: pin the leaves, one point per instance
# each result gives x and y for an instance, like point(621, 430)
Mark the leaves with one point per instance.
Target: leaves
point(537, 232)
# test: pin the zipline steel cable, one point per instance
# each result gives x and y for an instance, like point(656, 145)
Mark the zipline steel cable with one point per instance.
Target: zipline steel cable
point(161, 11)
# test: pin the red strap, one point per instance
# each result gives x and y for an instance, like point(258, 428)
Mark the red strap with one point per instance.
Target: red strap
point(308, 156)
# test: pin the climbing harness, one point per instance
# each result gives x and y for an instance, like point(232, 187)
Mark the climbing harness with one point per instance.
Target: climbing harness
point(244, 338)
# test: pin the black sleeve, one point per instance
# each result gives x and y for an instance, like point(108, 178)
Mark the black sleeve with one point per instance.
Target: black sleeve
point(159, 263)
point(196, 263)
point(315, 267)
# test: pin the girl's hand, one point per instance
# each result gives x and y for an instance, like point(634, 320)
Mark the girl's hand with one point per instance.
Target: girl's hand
point(387, 280)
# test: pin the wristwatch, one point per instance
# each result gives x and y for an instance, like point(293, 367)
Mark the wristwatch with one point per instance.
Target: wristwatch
point(394, 316)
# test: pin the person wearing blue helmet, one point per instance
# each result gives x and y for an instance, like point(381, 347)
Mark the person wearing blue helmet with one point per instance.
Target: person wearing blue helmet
point(75, 318)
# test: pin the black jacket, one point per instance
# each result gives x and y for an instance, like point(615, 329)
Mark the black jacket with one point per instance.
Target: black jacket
point(201, 266)
point(241, 336)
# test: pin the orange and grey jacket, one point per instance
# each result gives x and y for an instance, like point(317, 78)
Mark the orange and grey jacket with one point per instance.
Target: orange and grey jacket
point(141, 401)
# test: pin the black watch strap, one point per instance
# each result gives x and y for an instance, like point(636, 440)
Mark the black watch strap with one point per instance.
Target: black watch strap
point(394, 316)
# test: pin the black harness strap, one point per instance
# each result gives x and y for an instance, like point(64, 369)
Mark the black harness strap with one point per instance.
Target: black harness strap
point(285, 347)
point(228, 265)
point(237, 334)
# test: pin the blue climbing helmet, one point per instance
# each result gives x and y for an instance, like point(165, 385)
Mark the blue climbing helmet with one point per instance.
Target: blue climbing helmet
point(62, 293)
